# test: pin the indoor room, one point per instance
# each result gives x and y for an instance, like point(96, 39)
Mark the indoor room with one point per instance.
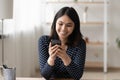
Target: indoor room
point(23, 22)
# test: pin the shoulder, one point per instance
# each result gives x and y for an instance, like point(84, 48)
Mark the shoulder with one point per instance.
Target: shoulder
point(82, 43)
point(44, 38)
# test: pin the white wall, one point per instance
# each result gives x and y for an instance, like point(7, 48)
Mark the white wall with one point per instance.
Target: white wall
point(113, 33)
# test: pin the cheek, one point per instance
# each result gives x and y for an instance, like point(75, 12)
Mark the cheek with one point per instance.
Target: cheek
point(71, 30)
point(57, 28)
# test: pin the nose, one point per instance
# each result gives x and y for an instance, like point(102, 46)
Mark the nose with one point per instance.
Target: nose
point(63, 27)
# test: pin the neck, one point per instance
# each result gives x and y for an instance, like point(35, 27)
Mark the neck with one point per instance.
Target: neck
point(63, 42)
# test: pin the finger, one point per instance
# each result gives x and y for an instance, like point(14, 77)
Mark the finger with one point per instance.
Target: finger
point(60, 51)
point(60, 47)
point(53, 54)
point(52, 49)
point(50, 44)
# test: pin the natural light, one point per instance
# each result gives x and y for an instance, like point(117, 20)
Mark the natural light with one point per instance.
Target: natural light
point(27, 14)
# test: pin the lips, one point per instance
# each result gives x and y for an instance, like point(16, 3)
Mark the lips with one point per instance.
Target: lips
point(63, 33)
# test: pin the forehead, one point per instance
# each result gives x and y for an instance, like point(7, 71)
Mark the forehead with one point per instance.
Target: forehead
point(65, 19)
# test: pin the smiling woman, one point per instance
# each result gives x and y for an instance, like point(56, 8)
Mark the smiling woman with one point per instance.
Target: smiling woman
point(64, 27)
point(66, 60)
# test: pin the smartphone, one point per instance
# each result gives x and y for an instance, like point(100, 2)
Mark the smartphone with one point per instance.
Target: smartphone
point(55, 41)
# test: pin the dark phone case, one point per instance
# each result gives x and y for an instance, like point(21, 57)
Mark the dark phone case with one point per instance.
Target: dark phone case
point(54, 42)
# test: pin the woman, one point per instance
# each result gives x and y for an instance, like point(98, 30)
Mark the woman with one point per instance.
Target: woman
point(66, 60)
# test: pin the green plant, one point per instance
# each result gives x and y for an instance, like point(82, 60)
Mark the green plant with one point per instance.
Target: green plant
point(118, 42)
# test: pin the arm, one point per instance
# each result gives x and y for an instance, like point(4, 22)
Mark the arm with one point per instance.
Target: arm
point(45, 68)
point(76, 67)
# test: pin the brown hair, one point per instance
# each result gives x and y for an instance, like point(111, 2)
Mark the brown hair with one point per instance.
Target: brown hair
point(76, 35)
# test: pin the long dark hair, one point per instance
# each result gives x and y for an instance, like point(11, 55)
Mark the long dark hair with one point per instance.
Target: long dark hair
point(76, 35)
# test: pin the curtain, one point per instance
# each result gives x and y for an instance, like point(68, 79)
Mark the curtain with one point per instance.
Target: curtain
point(23, 32)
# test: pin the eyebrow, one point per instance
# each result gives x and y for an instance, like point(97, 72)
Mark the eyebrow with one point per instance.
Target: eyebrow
point(65, 23)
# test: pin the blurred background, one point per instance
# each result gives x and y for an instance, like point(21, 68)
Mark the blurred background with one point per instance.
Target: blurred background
point(33, 18)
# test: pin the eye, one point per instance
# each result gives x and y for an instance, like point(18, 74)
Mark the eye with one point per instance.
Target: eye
point(60, 24)
point(69, 25)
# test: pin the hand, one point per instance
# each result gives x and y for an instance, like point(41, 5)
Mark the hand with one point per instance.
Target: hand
point(61, 53)
point(52, 54)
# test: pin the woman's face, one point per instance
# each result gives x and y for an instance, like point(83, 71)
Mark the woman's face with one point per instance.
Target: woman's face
point(64, 27)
